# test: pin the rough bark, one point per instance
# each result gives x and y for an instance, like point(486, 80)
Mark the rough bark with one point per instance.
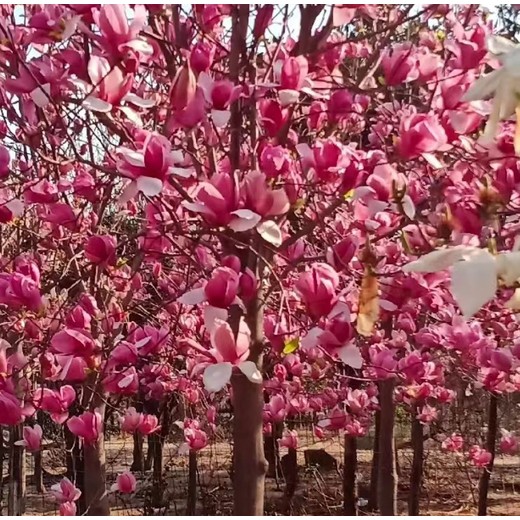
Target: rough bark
point(272, 451)
point(38, 472)
point(374, 472)
point(191, 505)
point(290, 473)
point(416, 474)
point(17, 475)
point(387, 475)
point(349, 476)
point(483, 486)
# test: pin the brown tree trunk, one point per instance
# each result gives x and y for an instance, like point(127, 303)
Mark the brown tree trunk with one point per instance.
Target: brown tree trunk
point(38, 472)
point(191, 505)
point(349, 476)
point(94, 471)
point(374, 472)
point(157, 475)
point(483, 485)
point(249, 461)
point(138, 453)
point(17, 474)
point(387, 476)
point(272, 451)
point(290, 472)
point(417, 465)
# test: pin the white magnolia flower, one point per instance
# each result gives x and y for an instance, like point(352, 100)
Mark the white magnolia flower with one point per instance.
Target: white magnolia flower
point(475, 274)
point(503, 84)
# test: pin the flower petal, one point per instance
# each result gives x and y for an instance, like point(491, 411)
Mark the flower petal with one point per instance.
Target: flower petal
point(193, 297)
point(438, 260)
point(97, 105)
point(149, 186)
point(245, 220)
point(474, 282)
point(217, 376)
point(351, 356)
point(270, 231)
point(250, 370)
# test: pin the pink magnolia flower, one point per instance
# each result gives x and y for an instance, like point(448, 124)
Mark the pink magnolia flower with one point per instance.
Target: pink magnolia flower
point(184, 88)
point(10, 409)
point(509, 443)
point(427, 414)
point(273, 116)
point(117, 35)
point(317, 288)
point(196, 439)
point(326, 160)
point(149, 340)
point(274, 161)
point(399, 64)
point(222, 288)
point(293, 76)
point(219, 95)
point(101, 249)
point(88, 426)
point(55, 402)
point(125, 483)
point(18, 290)
point(479, 457)
point(5, 161)
point(149, 424)
point(341, 253)
point(289, 440)
point(453, 443)
point(78, 318)
point(201, 56)
point(275, 410)
point(421, 134)
point(150, 166)
point(73, 342)
point(32, 438)
point(383, 363)
point(68, 509)
point(65, 491)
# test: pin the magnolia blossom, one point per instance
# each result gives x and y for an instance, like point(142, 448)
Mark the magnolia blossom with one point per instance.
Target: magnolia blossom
point(65, 491)
point(32, 438)
point(475, 273)
point(125, 483)
point(227, 352)
point(503, 84)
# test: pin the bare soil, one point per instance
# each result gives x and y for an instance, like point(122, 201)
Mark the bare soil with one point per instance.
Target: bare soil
point(449, 486)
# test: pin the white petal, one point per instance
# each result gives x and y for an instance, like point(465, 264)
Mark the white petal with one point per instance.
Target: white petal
point(483, 87)
point(387, 306)
point(408, 207)
point(432, 160)
point(288, 97)
point(474, 282)
point(220, 117)
point(206, 84)
point(217, 376)
point(193, 297)
point(138, 101)
point(132, 116)
point(41, 95)
point(245, 220)
point(20, 443)
point(351, 356)
point(142, 342)
point(128, 193)
point(211, 314)
point(311, 338)
point(97, 105)
point(270, 231)
point(15, 206)
point(305, 151)
point(150, 186)
point(508, 267)
point(499, 45)
point(184, 448)
point(438, 260)
point(126, 381)
point(184, 173)
point(132, 156)
point(196, 207)
point(250, 370)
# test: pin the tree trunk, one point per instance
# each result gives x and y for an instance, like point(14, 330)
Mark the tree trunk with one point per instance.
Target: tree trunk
point(38, 472)
point(94, 471)
point(3, 453)
point(290, 472)
point(17, 474)
point(349, 476)
point(374, 472)
point(138, 453)
point(250, 465)
point(191, 505)
point(157, 458)
point(272, 451)
point(417, 466)
point(387, 476)
point(483, 486)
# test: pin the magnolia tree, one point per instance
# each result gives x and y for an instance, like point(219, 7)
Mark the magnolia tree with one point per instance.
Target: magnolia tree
point(257, 207)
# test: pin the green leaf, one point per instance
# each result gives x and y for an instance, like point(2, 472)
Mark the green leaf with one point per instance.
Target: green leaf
point(291, 345)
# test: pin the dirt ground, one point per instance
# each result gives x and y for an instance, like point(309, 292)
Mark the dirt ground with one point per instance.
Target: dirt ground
point(449, 486)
